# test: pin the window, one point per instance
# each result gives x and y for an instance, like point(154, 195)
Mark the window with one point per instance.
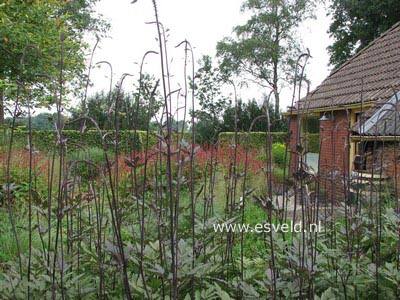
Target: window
point(311, 124)
point(311, 141)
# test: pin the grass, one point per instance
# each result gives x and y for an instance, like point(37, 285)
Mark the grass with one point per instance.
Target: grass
point(8, 246)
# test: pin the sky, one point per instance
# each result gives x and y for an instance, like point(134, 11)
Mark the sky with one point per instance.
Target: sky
point(203, 24)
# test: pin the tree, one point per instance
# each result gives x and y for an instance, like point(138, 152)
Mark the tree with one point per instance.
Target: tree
point(356, 23)
point(43, 24)
point(266, 47)
point(246, 114)
point(208, 84)
point(136, 109)
point(180, 125)
point(97, 107)
point(42, 121)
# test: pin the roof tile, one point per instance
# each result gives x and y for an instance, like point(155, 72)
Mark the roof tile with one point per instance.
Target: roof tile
point(372, 74)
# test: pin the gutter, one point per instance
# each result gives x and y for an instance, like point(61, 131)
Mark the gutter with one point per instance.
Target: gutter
point(318, 110)
point(374, 138)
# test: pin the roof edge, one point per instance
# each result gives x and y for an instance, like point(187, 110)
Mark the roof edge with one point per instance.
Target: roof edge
point(364, 49)
point(350, 60)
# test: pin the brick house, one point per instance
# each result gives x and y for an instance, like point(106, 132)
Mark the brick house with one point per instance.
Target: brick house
point(356, 112)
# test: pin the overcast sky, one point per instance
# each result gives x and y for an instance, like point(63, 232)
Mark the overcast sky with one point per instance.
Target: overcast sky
point(202, 23)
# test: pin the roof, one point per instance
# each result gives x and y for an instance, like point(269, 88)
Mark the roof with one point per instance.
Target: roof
point(372, 74)
point(383, 121)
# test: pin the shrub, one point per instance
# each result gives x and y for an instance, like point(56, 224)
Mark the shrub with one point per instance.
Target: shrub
point(279, 153)
point(278, 175)
point(87, 171)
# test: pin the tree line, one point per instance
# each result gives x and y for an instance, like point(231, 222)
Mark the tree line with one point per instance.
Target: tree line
point(35, 34)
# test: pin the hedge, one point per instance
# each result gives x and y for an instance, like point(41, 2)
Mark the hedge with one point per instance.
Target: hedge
point(257, 139)
point(44, 140)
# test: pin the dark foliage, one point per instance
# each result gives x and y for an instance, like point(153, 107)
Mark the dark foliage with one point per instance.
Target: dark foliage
point(356, 23)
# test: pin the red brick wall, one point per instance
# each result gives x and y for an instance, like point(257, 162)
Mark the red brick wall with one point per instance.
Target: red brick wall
point(334, 153)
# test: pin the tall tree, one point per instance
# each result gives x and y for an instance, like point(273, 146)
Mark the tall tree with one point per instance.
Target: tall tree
point(356, 23)
point(42, 23)
point(135, 109)
point(208, 85)
point(266, 46)
point(246, 113)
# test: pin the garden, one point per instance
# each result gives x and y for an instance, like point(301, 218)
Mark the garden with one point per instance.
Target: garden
point(126, 197)
point(95, 222)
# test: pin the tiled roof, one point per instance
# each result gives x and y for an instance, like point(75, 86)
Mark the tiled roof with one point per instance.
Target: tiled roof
point(373, 73)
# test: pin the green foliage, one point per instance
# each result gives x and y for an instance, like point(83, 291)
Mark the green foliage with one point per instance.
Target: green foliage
point(278, 172)
point(88, 164)
point(312, 142)
point(257, 140)
point(98, 107)
point(8, 249)
point(357, 23)
point(311, 124)
point(136, 110)
point(318, 267)
point(266, 47)
point(208, 83)
point(215, 113)
point(41, 24)
point(245, 113)
point(43, 121)
point(206, 132)
point(279, 152)
point(45, 140)
point(18, 176)
point(146, 231)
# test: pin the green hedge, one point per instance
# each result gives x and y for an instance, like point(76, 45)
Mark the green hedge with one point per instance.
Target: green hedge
point(257, 139)
point(44, 139)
